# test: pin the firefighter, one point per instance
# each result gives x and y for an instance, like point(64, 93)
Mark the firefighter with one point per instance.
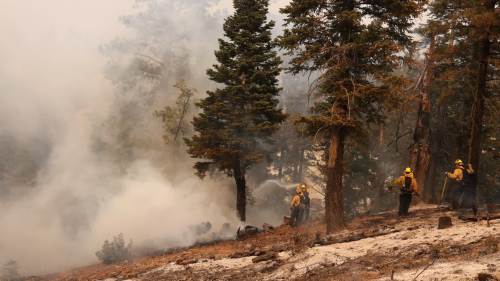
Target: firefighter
point(296, 207)
point(466, 178)
point(455, 190)
point(408, 185)
point(306, 202)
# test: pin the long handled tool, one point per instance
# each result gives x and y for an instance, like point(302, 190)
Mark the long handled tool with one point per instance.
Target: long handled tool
point(444, 190)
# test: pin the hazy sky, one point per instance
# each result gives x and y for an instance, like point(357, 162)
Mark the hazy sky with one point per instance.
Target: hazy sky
point(41, 38)
point(50, 54)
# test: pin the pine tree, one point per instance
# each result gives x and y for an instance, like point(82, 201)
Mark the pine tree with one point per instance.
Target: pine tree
point(466, 37)
point(233, 131)
point(354, 46)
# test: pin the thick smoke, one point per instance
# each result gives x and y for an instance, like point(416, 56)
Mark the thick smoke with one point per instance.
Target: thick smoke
point(65, 109)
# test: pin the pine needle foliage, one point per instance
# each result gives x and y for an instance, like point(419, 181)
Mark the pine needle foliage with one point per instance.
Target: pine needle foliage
point(234, 129)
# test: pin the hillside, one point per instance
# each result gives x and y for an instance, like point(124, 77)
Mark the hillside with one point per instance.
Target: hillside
point(373, 247)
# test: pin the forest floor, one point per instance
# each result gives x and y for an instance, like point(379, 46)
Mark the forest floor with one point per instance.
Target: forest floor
point(373, 247)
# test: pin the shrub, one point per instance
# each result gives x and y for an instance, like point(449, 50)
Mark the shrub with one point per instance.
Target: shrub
point(115, 251)
point(10, 271)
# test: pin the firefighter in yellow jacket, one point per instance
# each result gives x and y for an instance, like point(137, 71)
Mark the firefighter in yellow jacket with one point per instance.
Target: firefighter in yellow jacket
point(408, 185)
point(295, 207)
point(464, 193)
point(458, 173)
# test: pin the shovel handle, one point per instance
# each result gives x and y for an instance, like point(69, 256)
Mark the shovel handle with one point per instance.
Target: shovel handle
point(443, 192)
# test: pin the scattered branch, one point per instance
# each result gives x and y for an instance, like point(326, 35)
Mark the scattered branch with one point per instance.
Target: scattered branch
point(425, 268)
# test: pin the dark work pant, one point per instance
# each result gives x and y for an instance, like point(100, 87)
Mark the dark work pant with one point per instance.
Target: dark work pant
point(404, 203)
point(295, 216)
point(467, 199)
point(307, 209)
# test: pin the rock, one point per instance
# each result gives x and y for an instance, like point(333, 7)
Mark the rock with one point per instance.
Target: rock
point(486, 277)
point(267, 227)
point(246, 232)
point(265, 257)
point(444, 222)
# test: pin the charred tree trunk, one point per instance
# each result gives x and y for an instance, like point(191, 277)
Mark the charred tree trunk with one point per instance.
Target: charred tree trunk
point(241, 195)
point(482, 54)
point(334, 199)
point(380, 202)
point(438, 154)
point(420, 155)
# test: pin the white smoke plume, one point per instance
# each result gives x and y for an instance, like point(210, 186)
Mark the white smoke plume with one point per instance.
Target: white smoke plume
point(58, 93)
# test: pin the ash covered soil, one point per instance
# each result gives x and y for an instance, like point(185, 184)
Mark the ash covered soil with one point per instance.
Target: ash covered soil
point(376, 247)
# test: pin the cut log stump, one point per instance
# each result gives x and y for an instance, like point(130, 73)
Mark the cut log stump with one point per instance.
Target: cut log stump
point(444, 222)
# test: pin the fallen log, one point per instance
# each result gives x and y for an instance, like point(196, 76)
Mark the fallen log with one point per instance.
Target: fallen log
point(359, 235)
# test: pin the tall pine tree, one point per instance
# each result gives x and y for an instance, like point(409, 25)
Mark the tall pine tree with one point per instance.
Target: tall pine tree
point(234, 129)
point(465, 38)
point(354, 46)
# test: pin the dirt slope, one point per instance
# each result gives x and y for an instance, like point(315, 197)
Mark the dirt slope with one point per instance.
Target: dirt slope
point(379, 247)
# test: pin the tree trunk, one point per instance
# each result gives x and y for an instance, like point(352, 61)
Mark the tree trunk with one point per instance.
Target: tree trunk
point(482, 55)
point(334, 200)
point(420, 155)
point(301, 165)
point(241, 195)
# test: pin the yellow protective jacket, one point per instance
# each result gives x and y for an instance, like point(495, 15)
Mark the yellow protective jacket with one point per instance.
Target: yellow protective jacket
point(401, 182)
point(457, 174)
point(296, 200)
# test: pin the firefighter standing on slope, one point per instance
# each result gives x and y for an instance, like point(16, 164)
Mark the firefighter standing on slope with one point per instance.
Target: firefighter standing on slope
point(465, 195)
point(296, 206)
point(306, 200)
point(408, 185)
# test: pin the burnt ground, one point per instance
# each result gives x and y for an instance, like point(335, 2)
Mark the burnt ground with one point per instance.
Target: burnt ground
point(373, 247)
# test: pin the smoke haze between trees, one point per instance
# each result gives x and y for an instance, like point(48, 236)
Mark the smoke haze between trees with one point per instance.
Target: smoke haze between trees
point(55, 107)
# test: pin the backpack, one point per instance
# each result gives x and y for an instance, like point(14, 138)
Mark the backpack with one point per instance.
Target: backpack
point(469, 181)
point(406, 188)
point(306, 199)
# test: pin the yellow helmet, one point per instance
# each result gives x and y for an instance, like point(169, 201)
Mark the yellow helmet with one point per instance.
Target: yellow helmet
point(408, 170)
point(303, 187)
point(298, 190)
point(459, 162)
